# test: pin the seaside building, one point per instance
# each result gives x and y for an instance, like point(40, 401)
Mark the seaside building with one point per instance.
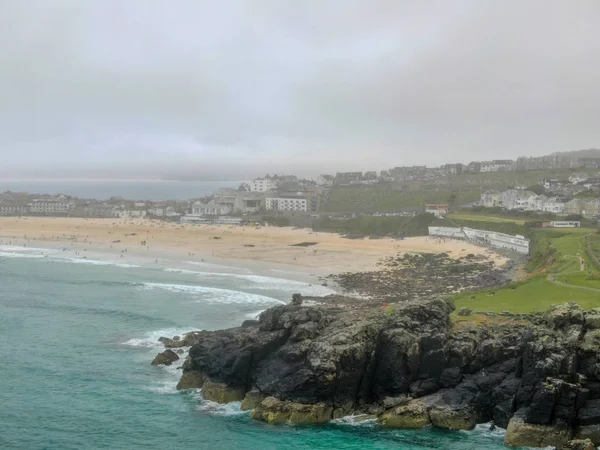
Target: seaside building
point(50, 207)
point(286, 204)
point(211, 208)
point(438, 210)
point(497, 165)
point(261, 185)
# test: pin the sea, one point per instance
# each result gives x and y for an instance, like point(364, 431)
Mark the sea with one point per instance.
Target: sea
point(77, 338)
point(158, 190)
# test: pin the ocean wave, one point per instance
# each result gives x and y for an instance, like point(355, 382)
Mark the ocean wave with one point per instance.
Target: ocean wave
point(168, 387)
point(265, 283)
point(211, 265)
point(20, 255)
point(150, 339)
point(95, 262)
point(254, 315)
point(16, 248)
point(219, 409)
point(351, 421)
point(485, 430)
point(212, 295)
point(183, 271)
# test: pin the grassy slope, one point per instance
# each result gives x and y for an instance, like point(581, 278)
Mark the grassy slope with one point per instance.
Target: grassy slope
point(393, 197)
point(538, 293)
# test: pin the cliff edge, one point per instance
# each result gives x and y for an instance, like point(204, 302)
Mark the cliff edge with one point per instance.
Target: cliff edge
point(410, 366)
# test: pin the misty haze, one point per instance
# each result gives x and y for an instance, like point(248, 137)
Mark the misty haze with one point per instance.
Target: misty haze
point(298, 224)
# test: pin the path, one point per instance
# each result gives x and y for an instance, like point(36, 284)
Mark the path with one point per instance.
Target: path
point(552, 278)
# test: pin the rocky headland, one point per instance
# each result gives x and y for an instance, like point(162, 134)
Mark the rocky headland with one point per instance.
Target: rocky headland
point(409, 366)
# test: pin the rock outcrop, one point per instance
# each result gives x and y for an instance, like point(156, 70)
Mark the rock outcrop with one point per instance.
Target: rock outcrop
point(165, 358)
point(411, 366)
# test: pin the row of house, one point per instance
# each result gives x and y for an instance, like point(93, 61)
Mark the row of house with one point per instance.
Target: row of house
point(524, 200)
point(230, 201)
point(56, 206)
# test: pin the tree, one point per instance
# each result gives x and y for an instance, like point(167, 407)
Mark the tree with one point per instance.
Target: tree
point(537, 189)
point(574, 217)
point(451, 199)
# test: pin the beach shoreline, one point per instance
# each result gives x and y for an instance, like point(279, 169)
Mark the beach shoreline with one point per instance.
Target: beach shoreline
point(271, 250)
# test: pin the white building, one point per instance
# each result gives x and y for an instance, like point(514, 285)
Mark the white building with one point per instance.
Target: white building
point(211, 208)
point(130, 213)
point(439, 210)
point(451, 232)
point(497, 165)
point(261, 185)
point(565, 224)
point(500, 240)
point(554, 205)
point(50, 207)
point(490, 199)
point(578, 178)
point(286, 204)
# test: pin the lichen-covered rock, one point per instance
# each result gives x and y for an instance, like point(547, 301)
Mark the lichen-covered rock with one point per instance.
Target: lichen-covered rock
point(221, 393)
point(413, 415)
point(170, 343)
point(275, 411)
point(165, 358)
point(522, 434)
point(191, 380)
point(251, 400)
point(579, 444)
point(411, 366)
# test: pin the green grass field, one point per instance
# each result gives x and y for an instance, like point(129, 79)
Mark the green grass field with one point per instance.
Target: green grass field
point(484, 218)
point(539, 293)
point(536, 294)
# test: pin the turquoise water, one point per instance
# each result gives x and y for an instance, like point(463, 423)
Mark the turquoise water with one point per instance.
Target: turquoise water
point(76, 341)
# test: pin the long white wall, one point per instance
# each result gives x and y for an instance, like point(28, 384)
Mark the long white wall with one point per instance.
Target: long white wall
point(447, 232)
point(493, 238)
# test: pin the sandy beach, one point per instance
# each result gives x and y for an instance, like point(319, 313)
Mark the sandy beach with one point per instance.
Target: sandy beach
point(235, 245)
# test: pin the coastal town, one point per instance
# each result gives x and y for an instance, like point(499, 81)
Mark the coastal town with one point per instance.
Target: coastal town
point(571, 187)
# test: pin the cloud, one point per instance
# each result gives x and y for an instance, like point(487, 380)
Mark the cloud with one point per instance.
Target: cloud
point(105, 86)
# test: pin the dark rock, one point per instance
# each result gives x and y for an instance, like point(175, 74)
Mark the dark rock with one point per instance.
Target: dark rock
point(450, 377)
point(165, 358)
point(579, 444)
point(411, 366)
point(250, 323)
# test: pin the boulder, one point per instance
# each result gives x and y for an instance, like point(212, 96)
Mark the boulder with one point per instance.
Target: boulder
point(522, 434)
point(275, 411)
point(591, 432)
point(190, 380)
point(579, 444)
point(413, 415)
point(252, 399)
point(221, 393)
point(165, 358)
point(170, 343)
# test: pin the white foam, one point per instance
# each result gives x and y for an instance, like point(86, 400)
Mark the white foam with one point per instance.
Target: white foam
point(227, 409)
point(254, 315)
point(95, 262)
point(150, 339)
point(183, 271)
point(20, 255)
point(216, 295)
point(16, 248)
point(266, 283)
point(168, 387)
point(211, 265)
point(484, 429)
point(351, 421)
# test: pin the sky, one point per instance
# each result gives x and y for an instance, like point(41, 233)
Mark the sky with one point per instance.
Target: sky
point(227, 90)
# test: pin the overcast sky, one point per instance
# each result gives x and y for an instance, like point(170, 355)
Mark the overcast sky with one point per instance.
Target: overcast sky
point(238, 88)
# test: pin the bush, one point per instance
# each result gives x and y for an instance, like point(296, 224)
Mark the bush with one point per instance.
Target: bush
point(278, 221)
